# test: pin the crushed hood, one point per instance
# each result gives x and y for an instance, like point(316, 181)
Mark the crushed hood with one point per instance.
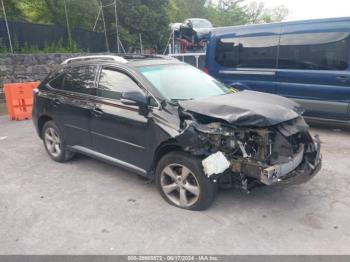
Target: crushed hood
point(245, 108)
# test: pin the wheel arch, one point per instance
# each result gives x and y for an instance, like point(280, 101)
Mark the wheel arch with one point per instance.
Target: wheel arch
point(163, 149)
point(41, 122)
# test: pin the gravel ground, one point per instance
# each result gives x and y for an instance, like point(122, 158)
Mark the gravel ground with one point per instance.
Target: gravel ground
point(88, 207)
point(2, 107)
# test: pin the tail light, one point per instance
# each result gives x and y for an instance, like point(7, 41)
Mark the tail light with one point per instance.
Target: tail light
point(206, 70)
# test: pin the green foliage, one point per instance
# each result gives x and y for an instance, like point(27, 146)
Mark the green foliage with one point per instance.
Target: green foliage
point(12, 10)
point(3, 48)
point(228, 13)
point(145, 17)
point(82, 13)
point(179, 10)
point(34, 49)
point(150, 18)
point(225, 12)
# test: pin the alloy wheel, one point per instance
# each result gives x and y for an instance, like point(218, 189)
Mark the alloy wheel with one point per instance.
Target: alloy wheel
point(179, 185)
point(53, 142)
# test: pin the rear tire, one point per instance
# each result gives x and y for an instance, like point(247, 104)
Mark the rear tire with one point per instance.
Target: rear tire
point(54, 143)
point(182, 183)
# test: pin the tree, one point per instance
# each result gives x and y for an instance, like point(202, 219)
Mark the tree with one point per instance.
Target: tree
point(52, 12)
point(227, 13)
point(257, 13)
point(179, 10)
point(12, 10)
point(146, 17)
point(150, 18)
point(279, 13)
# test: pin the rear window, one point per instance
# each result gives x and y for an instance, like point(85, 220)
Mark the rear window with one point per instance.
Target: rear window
point(247, 52)
point(57, 82)
point(81, 80)
point(314, 51)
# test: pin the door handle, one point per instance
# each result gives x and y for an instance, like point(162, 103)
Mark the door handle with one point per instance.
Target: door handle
point(342, 78)
point(97, 111)
point(57, 102)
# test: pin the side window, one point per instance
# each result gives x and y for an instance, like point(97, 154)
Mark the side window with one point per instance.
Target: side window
point(57, 82)
point(81, 80)
point(227, 52)
point(113, 83)
point(314, 51)
point(258, 52)
point(247, 52)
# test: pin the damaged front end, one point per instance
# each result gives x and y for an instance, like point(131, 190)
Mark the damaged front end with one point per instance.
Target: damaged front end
point(245, 156)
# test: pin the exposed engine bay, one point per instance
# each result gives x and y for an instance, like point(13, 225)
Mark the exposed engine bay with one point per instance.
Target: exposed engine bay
point(281, 154)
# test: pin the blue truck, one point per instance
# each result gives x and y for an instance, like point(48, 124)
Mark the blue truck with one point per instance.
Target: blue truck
point(307, 61)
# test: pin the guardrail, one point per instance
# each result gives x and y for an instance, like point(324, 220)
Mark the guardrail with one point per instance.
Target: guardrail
point(195, 59)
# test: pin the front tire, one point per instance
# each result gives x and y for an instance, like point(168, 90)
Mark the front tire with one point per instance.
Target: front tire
point(182, 182)
point(54, 143)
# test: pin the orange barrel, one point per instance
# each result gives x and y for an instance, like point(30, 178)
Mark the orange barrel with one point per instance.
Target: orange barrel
point(19, 100)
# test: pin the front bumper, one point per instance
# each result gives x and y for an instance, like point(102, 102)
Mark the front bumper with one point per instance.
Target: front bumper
point(302, 167)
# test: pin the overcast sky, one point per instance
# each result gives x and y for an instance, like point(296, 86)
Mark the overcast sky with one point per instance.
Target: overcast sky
point(308, 9)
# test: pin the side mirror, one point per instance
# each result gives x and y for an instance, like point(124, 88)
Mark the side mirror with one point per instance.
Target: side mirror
point(135, 98)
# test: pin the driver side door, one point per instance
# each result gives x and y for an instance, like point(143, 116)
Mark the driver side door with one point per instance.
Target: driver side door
point(118, 131)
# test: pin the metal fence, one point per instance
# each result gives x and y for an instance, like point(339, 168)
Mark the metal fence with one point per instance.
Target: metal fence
point(28, 34)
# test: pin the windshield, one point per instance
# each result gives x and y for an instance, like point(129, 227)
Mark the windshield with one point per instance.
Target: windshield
point(201, 24)
point(183, 82)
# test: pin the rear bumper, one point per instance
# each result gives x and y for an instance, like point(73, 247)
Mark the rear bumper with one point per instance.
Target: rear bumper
point(303, 167)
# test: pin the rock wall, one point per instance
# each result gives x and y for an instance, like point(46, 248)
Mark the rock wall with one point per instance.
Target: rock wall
point(28, 67)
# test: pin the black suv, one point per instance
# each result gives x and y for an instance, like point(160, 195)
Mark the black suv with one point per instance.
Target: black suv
point(167, 120)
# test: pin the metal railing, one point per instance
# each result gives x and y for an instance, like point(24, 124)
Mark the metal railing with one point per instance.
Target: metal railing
point(199, 58)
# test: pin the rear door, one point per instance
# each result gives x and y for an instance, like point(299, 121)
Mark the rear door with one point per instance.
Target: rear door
point(73, 105)
point(248, 58)
point(313, 67)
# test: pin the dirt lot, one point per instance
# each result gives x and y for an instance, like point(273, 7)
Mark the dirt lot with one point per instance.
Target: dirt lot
point(88, 207)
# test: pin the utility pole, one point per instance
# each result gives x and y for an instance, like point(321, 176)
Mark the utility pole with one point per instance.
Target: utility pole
point(67, 21)
point(97, 18)
point(173, 41)
point(116, 25)
point(104, 25)
point(7, 26)
point(141, 47)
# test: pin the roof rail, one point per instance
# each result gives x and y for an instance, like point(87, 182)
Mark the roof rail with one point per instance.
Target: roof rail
point(144, 56)
point(95, 57)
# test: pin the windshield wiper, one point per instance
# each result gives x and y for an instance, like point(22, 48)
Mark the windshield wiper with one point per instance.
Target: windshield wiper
point(180, 99)
point(175, 101)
